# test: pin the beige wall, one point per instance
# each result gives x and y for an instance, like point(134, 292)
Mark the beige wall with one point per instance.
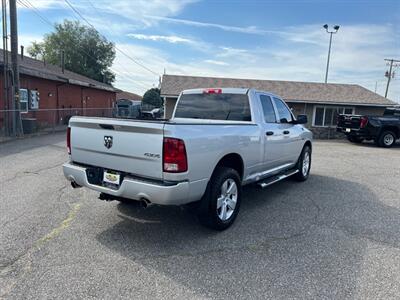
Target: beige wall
point(169, 105)
point(367, 110)
point(302, 109)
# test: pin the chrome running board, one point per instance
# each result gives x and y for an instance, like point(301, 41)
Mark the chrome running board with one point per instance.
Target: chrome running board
point(273, 179)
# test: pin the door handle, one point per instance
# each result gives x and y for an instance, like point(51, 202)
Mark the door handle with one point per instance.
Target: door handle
point(269, 133)
point(286, 132)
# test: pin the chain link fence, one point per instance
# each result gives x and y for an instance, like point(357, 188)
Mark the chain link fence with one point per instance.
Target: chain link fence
point(50, 120)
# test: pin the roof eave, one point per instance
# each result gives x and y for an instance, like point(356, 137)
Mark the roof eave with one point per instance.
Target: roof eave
point(340, 103)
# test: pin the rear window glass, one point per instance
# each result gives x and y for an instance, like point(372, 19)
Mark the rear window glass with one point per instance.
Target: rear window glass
point(233, 107)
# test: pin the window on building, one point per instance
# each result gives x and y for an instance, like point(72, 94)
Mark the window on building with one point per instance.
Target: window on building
point(23, 100)
point(283, 111)
point(326, 116)
point(268, 109)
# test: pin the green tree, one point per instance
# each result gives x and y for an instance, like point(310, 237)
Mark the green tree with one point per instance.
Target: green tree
point(152, 97)
point(85, 51)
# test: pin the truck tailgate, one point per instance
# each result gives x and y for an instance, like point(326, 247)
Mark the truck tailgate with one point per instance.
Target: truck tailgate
point(122, 145)
point(349, 121)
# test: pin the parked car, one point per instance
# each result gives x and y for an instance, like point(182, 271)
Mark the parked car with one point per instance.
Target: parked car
point(384, 130)
point(125, 108)
point(155, 113)
point(217, 141)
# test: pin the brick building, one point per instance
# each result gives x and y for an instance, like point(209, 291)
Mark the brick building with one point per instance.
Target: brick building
point(61, 93)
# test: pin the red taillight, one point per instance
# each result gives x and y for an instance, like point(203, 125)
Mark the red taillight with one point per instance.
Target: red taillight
point(212, 91)
point(69, 140)
point(364, 122)
point(174, 156)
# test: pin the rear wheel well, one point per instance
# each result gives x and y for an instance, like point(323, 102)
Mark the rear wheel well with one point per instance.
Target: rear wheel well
point(234, 161)
point(393, 129)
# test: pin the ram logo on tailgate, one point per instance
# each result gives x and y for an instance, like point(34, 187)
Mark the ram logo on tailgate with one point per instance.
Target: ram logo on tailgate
point(108, 141)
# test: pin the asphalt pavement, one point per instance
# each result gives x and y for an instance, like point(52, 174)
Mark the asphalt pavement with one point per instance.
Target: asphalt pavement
point(335, 236)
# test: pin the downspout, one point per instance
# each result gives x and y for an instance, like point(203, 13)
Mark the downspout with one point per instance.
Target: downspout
point(83, 108)
point(58, 101)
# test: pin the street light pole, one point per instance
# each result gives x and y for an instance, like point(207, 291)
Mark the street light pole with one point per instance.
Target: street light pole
point(336, 28)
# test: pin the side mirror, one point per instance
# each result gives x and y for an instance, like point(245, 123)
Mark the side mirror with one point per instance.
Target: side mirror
point(301, 119)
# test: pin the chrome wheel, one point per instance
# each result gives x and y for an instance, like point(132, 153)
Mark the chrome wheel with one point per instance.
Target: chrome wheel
point(388, 139)
point(306, 163)
point(226, 202)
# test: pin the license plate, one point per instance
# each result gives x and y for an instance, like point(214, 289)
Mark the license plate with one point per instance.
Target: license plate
point(111, 177)
point(348, 130)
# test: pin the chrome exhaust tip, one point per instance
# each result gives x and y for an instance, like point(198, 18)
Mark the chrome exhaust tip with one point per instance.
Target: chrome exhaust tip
point(145, 202)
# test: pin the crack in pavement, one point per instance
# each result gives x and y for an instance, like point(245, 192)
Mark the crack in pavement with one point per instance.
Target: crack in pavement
point(349, 232)
point(34, 172)
point(22, 264)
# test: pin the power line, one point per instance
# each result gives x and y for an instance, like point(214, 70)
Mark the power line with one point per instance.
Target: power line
point(83, 18)
point(122, 52)
point(109, 29)
point(29, 5)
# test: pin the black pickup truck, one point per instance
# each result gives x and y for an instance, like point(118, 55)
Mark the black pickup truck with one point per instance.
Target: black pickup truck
point(384, 130)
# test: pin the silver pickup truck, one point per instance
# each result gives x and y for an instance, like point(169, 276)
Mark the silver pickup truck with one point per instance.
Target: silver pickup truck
point(217, 141)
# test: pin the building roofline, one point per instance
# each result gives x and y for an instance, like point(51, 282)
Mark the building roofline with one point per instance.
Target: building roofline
point(55, 75)
point(259, 79)
point(313, 92)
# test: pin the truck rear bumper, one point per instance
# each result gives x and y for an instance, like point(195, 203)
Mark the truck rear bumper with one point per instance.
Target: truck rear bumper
point(132, 188)
point(361, 133)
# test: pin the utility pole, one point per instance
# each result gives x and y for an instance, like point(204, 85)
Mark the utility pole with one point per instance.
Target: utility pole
point(16, 124)
point(390, 74)
point(5, 64)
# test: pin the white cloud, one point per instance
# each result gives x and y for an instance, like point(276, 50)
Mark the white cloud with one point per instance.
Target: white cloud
point(26, 40)
point(356, 58)
point(165, 38)
point(137, 10)
point(249, 29)
point(216, 62)
point(44, 4)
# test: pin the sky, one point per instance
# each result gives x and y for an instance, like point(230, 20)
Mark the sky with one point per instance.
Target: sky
point(271, 39)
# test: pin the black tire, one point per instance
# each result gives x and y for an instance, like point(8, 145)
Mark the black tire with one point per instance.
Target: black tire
point(209, 214)
point(387, 139)
point(303, 176)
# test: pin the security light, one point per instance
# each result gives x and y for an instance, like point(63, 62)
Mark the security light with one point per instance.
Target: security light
point(336, 27)
point(326, 26)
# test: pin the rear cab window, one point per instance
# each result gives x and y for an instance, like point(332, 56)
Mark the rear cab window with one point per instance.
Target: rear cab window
point(214, 106)
point(268, 109)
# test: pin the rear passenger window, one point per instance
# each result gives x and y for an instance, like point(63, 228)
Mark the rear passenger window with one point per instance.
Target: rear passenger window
point(268, 109)
point(283, 111)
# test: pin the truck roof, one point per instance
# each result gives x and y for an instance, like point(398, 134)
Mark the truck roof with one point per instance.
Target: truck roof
point(219, 89)
point(226, 90)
